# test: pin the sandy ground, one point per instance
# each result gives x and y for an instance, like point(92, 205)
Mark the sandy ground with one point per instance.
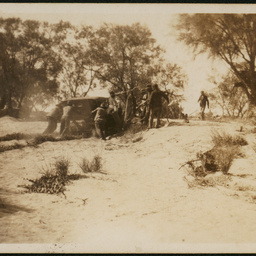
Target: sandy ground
point(140, 203)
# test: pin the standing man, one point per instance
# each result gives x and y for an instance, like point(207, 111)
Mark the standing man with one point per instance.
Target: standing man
point(100, 120)
point(113, 110)
point(146, 97)
point(53, 117)
point(203, 100)
point(65, 119)
point(155, 105)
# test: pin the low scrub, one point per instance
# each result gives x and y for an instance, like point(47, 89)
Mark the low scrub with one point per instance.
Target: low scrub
point(220, 139)
point(91, 166)
point(53, 180)
point(218, 159)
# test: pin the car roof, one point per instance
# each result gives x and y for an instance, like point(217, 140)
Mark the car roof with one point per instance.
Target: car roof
point(84, 98)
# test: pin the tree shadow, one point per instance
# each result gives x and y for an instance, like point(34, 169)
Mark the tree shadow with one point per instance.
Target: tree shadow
point(7, 207)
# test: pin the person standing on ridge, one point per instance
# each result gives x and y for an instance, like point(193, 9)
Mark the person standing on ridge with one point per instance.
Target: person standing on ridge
point(203, 101)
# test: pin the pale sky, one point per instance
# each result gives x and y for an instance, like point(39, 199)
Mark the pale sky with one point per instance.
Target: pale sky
point(158, 17)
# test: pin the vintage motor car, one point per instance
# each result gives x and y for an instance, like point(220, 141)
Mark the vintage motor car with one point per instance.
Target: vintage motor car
point(82, 120)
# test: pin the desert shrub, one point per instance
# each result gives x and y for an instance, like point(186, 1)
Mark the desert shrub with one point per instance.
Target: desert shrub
point(96, 163)
point(220, 139)
point(61, 167)
point(91, 166)
point(53, 179)
point(219, 158)
point(85, 165)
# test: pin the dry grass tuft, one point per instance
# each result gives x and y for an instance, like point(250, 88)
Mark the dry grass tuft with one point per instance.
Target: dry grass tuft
point(91, 166)
point(53, 180)
point(220, 139)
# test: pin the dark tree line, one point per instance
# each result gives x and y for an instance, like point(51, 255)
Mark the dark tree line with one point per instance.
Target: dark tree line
point(229, 37)
point(40, 61)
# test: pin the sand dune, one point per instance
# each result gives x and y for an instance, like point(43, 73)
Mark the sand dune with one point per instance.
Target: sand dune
point(140, 203)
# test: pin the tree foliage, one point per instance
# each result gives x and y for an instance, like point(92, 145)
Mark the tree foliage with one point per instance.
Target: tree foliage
point(39, 60)
point(232, 100)
point(27, 64)
point(230, 37)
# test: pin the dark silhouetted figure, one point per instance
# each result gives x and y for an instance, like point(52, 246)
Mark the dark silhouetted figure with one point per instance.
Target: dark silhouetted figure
point(155, 105)
point(145, 112)
point(203, 101)
point(100, 120)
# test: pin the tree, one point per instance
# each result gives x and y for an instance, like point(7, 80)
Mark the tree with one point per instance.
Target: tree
point(28, 66)
point(230, 37)
point(232, 100)
point(76, 76)
point(123, 56)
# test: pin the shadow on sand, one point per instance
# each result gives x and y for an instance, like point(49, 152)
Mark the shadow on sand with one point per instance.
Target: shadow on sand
point(6, 207)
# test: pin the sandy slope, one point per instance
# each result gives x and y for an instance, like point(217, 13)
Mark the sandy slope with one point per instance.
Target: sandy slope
point(141, 203)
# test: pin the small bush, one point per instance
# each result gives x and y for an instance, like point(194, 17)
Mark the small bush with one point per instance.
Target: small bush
point(53, 180)
point(85, 165)
point(220, 139)
point(94, 166)
point(61, 167)
point(219, 158)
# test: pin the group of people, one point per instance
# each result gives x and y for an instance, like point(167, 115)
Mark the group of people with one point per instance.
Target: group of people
point(107, 108)
point(152, 108)
point(153, 105)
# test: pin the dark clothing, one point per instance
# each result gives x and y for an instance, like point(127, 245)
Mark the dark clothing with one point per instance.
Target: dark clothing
point(155, 106)
point(100, 127)
point(203, 99)
point(145, 111)
point(100, 121)
point(101, 114)
point(155, 99)
point(155, 112)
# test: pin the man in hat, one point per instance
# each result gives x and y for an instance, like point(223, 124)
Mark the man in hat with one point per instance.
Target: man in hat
point(100, 120)
point(203, 100)
point(155, 105)
point(53, 117)
point(65, 119)
point(145, 98)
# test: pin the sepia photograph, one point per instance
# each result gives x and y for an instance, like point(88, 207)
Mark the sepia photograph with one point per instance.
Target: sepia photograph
point(127, 128)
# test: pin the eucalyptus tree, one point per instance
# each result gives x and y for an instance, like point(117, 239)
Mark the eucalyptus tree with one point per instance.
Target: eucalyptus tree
point(229, 37)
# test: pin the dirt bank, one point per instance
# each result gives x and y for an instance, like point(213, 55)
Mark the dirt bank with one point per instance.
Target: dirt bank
point(140, 203)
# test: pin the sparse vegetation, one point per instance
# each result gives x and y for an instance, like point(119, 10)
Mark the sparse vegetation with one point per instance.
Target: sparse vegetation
point(220, 139)
point(91, 166)
point(53, 180)
point(217, 159)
